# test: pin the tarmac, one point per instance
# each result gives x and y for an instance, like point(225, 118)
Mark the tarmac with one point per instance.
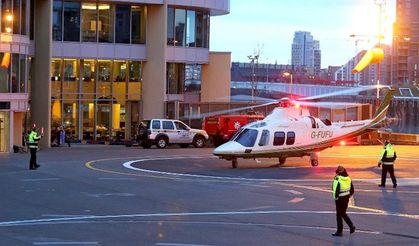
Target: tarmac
point(115, 195)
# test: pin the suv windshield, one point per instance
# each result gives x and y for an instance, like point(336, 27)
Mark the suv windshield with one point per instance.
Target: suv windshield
point(247, 137)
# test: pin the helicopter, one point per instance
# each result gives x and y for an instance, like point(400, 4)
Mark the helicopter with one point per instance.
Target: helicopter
point(290, 131)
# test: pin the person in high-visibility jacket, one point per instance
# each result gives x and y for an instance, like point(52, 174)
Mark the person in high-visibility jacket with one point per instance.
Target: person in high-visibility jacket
point(387, 157)
point(34, 137)
point(342, 189)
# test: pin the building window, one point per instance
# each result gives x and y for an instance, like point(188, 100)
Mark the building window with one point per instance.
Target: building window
point(170, 26)
point(13, 73)
point(32, 19)
point(7, 16)
point(193, 78)
point(71, 21)
point(135, 79)
point(22, 84)
point(188, 28)
point(89, 22)
point(206, 25)
point(16, 16)
point(138, 25)
point(71, 79)
point(122, 24)
point(199, 32)
point(23, 18)
point(119, 80)
point(190, 31)
point(175, 78)
point(104, 79)
point(56, 78)
point(57, 16)
point(180, 22)
point(105, 25)
point(101, 102)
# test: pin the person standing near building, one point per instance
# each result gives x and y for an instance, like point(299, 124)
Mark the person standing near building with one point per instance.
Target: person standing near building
point(34, 138)
point(387, 157)
point(343, 189)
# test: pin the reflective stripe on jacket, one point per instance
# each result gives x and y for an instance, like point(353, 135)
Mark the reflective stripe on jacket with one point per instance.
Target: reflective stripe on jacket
point(342, 185)
point(33, 139)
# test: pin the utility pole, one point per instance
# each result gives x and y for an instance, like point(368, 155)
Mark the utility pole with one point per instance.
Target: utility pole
point(252, 59)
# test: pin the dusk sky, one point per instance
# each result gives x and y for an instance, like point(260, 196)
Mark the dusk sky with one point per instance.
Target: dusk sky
point(270, 25)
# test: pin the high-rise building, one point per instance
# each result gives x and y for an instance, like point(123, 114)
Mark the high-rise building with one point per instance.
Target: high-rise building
point(98, 68)
point(405, 62)
point(305, 51)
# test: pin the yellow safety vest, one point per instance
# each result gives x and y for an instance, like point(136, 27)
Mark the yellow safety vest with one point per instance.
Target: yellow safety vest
point(345, 185)
point(390, 151)
point(33, 139)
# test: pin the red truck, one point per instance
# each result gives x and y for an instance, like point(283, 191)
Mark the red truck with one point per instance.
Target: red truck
point(221, 128)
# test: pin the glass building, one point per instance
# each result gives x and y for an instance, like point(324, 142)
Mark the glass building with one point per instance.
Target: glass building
point(101, 67)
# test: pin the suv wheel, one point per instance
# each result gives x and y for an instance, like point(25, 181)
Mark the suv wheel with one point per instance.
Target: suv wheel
point(161, 142)
point(199, 142)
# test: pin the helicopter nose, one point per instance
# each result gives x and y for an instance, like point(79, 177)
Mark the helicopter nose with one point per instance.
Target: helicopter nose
point(228, 148)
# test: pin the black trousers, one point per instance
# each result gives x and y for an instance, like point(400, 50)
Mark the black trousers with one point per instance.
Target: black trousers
point(32, 162)
point(341, 207)
point(390, 169)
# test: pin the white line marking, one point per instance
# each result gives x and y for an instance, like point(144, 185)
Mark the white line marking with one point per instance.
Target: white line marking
point(215, 213)
point(121, 179)
point(62, 215)
point(180, 244)
point(128, 164)
point(296, 200)
point(45, 179)
point(111, 194)
point(65, 243)
point(294, 192)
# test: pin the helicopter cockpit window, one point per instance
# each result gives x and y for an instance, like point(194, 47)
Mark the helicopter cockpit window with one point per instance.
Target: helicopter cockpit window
point(233, 138)
point(258, 124)
point(290, 138)
point(279, 138)
point(247, 137)
point(264, 138)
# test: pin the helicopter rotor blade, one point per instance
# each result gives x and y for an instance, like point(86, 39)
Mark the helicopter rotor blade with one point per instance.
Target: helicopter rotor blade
point(327, 104)
point(345, 92)
point(227, 111)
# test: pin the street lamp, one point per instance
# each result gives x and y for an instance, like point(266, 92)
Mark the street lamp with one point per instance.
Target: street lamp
point(252, 59)
point(288, 74)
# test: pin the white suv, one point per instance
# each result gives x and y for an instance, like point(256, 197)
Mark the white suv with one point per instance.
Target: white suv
point(162, 132)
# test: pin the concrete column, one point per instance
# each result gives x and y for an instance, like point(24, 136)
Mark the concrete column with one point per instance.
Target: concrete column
point(154, 70)
point(41, 66)
point(216, 77)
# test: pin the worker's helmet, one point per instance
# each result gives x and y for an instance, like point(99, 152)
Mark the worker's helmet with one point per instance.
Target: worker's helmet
point(386, 142)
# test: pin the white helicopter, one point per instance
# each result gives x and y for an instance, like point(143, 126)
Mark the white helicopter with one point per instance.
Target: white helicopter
point(290, 131)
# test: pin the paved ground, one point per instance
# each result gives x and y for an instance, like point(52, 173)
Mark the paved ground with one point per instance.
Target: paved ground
point(113, 195)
